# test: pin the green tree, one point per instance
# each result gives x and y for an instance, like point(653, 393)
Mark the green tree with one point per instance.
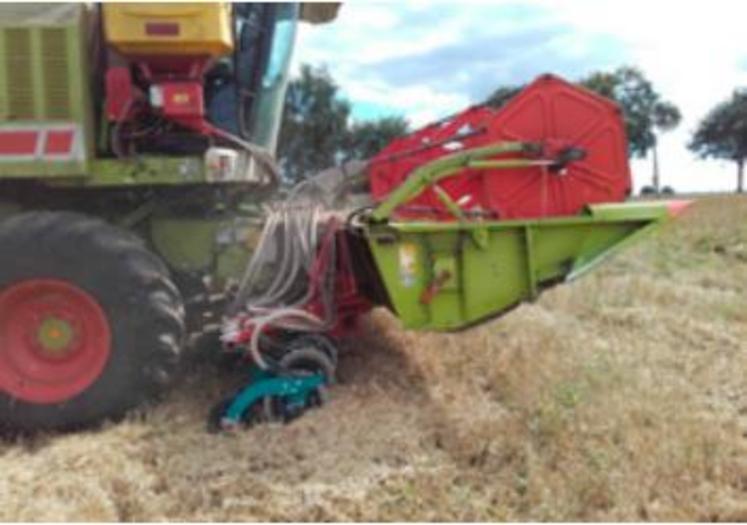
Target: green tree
point(314, 126)
point(365, 139)
point(503, 94)
point(722, 134)
point(317, 133)
point(666, 117)
point(644, 111)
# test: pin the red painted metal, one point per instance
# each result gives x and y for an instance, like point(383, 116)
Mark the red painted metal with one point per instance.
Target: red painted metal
point(18, 142)
point(348, 304)
point(180, 80)
point(182, 100)
point(53, 141)
point(549, 111)
point(29, 371)
point(120, 93)
point(164, 68)
point(59, 142)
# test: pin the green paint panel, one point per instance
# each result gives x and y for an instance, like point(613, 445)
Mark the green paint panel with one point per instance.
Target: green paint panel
point(147, 170)
point(515, 260)
point(218, 247)
point(44, 81)
point(187, 244)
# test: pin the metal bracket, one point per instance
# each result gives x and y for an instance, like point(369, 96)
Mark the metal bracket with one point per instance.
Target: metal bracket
point(481, 237)
point(263, 384)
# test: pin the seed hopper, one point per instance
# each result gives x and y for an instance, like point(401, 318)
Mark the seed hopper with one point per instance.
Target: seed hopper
point(470, 217)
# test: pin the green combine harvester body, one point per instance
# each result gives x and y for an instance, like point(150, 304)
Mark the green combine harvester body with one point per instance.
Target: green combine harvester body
point(55, 146)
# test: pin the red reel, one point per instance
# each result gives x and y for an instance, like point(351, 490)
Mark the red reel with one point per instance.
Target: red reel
point(550, 111)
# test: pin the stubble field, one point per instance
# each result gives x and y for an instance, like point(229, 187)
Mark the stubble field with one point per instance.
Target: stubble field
point(622, 396)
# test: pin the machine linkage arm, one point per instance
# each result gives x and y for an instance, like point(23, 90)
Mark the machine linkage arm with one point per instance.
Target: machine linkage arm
point(432, 173)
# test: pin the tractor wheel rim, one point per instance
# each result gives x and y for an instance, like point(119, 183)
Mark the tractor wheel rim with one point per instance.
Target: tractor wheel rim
point(55, 340)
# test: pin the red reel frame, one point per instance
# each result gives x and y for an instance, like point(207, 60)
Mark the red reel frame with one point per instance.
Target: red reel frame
point(550, 111)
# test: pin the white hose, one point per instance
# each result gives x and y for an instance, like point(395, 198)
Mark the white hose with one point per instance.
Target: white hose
point(292, 233)
point(261, 323)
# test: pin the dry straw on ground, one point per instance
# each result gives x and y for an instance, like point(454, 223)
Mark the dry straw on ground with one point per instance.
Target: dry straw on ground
point(619, 397)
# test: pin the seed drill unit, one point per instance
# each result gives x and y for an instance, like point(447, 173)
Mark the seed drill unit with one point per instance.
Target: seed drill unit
point(136, 142)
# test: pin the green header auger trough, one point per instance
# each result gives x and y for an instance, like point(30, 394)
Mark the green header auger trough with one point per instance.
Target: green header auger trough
point(136, 156)
point(449, 276)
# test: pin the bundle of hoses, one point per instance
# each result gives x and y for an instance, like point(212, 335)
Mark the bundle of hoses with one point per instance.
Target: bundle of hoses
point(276, 285)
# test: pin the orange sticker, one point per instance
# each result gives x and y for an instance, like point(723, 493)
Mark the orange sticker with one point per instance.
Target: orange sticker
point(180, 98)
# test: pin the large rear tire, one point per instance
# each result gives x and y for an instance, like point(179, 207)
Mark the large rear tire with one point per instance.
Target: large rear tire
point(91, 325)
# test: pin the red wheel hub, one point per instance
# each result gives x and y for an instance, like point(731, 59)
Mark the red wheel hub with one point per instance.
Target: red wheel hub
point(55, 340)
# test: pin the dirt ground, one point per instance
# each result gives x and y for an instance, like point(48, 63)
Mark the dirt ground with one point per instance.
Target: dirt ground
point(621, 396)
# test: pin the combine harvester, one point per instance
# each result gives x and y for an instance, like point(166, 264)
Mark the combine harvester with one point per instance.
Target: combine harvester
point(135, 143)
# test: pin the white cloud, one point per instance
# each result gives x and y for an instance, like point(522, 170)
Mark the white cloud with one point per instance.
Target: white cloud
point(691, 51)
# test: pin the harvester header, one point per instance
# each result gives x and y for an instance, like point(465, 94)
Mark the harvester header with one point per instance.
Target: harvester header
point(560, 148)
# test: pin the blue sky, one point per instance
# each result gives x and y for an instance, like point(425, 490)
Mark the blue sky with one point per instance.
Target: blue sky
point(427, 59)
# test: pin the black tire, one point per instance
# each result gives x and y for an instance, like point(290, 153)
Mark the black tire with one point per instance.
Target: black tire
point(316, 341)
point(306, 356)
point(144, 310)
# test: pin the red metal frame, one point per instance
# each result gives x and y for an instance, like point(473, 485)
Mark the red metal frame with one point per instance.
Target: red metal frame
point(347, 301)
point(181, 79)
point(549, 111)
point(19, 142)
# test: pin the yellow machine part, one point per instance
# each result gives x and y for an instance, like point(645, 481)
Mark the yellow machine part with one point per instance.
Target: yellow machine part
point(169, 29)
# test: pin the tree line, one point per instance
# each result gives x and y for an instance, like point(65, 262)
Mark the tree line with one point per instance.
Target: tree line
point(318, 130)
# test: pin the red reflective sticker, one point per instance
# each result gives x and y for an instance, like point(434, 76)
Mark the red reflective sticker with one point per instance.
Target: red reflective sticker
point(59, 142)
point(18, 142)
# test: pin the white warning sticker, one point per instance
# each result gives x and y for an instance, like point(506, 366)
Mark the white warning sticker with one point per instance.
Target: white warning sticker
point(408, 264)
